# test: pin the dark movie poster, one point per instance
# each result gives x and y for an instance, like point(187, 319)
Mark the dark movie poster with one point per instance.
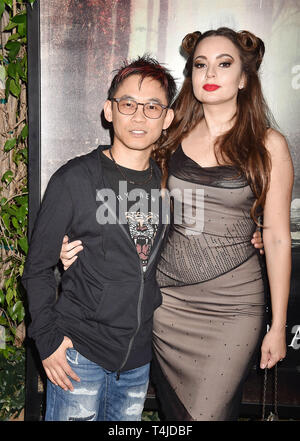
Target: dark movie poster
point(82, 42)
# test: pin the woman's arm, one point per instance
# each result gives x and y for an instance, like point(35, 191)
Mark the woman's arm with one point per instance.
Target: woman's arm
point(277, 245)
point(69, 250)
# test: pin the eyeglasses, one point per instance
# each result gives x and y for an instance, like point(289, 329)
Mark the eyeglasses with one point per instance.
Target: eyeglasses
point(129, 107)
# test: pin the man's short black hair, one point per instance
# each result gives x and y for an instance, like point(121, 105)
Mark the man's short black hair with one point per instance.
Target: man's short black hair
point(144, 66)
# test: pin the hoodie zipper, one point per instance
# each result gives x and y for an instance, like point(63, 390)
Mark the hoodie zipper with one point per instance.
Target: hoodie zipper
point(139, 307)
point(141, 294)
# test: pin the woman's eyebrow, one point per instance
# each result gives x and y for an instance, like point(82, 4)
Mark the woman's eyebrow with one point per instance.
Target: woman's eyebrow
point(218, 56)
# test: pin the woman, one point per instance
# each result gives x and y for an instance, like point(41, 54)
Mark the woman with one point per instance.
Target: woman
point(212, 319)
point(207, 331)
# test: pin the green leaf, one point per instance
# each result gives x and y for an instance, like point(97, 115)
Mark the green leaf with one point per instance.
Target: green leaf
point(2, 297)
point(17, 157)
point(9, 3)
point(11, 315)
point(15, 223)
point(11, 70)
point(20, 70)
point(3, 321)
point(6, 220)
point(25, 154)
point(15, 88)
point(12, 45)
point(7, 177)
point(11, 209)
point(10, 143)
point(7, 86)
point(2, 7)
point(13, 48)
point(24, 132)
point(19, 18)
point(15, 36)
point(10, 26)
point(21, 214)
point(23, 244)
point(22, 200)
point(18, 311)
point(22, 29)
point(7, 283)
point(9, 296)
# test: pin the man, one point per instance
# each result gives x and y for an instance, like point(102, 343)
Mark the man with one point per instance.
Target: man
point(95, 340)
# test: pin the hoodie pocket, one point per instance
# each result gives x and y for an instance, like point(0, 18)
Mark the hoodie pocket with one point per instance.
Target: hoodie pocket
point(118, 305)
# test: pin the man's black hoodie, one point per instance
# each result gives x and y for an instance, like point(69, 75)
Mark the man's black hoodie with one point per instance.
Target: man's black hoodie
point(107, 302)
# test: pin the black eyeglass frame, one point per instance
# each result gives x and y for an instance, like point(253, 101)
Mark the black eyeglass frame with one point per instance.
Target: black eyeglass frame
point(163, 107)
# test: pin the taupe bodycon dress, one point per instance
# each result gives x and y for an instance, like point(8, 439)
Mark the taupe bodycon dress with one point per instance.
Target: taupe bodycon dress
point(210, 325)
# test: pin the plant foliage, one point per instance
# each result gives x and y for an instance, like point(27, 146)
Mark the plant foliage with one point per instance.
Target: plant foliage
point(13, 201)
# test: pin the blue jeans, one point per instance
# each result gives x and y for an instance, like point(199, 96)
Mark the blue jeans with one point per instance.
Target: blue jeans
point(99, 396)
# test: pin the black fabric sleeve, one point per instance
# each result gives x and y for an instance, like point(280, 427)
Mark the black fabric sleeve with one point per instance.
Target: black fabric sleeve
point(53, 222)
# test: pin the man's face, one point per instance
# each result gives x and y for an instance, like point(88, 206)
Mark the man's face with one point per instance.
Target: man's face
point(137, 132)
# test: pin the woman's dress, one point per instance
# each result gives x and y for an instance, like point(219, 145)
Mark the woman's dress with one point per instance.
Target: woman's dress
point(210, 324)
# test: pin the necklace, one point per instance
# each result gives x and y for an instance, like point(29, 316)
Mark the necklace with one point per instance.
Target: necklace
point(126, 177)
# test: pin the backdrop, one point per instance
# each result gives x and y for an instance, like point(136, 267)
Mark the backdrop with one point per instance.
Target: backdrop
point(82, 42)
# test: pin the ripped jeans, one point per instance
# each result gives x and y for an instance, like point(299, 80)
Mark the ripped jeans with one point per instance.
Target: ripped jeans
point(99, 396)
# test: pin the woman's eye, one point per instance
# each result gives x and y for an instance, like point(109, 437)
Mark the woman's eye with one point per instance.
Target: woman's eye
point(199, 65)
point(225, 64)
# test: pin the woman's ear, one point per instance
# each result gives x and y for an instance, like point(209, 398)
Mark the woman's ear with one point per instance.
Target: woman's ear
point(107, 108)
point(243, 81)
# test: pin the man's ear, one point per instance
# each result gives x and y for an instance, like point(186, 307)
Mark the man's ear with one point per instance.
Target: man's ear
point(168, 118)
point(107, 108)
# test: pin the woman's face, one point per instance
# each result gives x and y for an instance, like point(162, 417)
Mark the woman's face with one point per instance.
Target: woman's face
point(217, 71)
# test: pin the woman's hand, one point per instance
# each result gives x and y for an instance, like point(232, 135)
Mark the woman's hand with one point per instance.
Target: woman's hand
point(69, 251)
point(257, 241)
point(273, 348)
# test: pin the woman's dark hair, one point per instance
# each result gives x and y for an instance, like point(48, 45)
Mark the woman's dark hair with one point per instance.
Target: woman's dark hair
point(244, 144)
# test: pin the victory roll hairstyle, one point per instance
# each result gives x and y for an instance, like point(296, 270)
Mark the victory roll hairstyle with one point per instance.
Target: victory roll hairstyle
point(244, 144)
point(145, 67)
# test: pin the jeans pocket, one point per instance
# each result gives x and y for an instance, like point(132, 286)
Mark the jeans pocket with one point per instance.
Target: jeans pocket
point(72, 355)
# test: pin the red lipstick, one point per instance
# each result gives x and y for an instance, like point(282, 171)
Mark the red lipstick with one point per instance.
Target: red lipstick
point(210, 87)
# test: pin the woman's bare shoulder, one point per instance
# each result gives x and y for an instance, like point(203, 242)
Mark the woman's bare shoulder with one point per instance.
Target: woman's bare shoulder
point(276, 143)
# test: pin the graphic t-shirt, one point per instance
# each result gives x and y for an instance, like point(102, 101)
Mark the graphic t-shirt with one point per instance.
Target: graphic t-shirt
point(137, 202)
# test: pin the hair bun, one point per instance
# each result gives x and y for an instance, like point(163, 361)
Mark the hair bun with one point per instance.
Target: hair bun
point(251, 43)
point(189, 41)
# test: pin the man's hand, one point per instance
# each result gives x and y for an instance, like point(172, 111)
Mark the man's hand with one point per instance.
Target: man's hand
point(257, 242)
point(57, 367)
point(68, 253)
